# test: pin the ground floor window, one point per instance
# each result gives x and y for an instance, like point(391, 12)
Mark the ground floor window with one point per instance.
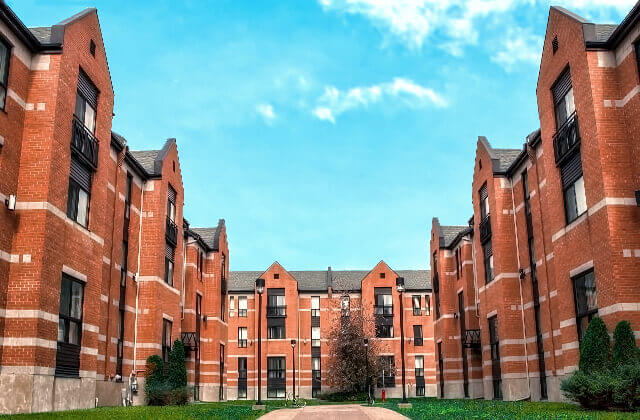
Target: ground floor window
point(242, 377)
point(586, 300)
point(494, 344)
point(315, 377)
point(69, 327)
point(276, 377)
point(387, 377)
point(166, 339)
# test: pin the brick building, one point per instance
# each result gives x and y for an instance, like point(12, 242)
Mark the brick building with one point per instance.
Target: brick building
point(98, 267)
point(555, 234)
point(303, 306)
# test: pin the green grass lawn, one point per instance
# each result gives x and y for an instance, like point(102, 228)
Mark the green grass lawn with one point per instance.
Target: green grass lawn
point(428, 408)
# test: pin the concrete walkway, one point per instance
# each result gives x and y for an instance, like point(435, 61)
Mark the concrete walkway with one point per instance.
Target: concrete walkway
point(334, 412)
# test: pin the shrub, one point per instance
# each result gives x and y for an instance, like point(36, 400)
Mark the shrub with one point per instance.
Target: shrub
point(180, 396)
point(595, 348)
point(157, 393)
point(591, 390)
point(343, 396)
point(625, 352)
point(626, 387)
point(154, 381)
point(177, 374)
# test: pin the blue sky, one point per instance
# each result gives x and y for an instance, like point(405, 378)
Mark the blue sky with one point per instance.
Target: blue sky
point(325, 132)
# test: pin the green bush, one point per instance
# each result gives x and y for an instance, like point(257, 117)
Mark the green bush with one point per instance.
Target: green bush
point(343, 396)
point(177, 374)
point(625, 352)
point(595, 348)
point(157, 393)
point(180, 396)
point(591, 390)
point(626, 387)
point(154, 384)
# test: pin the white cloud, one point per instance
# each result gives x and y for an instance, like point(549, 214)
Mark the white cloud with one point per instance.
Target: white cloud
point(334, 102)
point(519, 47)
point(621, 5)
point(267, 112)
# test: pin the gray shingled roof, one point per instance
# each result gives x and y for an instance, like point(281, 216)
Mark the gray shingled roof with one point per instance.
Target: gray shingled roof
point(340, 280)
point(42, 34)
point(505, 158)
point(208, 235)
point(146, 159)
point(603, 32)
point(450, 233)
point(243, 281)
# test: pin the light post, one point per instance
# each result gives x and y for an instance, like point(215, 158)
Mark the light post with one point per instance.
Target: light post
point(366, 357)
point(400, 288)
point(260, 291)
point(293, 357)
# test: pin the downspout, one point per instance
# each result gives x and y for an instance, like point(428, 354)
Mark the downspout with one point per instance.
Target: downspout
point(299, 346)
point(135, 338)
point(544, 256)
point(475, 278)
point(524, 332)
point(113, 235)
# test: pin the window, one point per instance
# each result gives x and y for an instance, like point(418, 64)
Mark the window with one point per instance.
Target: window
point(242, 306)
point(5, 57)
point(457, 258)
point(484, 202)
point(419, 373)
point(419, 366)
point(276, 276)
point(345, 305)
point(275, 332)
point(417, 305)
point(315, 305)
point(387, 377)
point(384, 331)
point(315, 336)
point(436, 285)
point(232, 306)
point(276, 377)
point(637, 48)
point(79, 192)
point(125, 263)
point(242, 337)
point(575, 200)
point(242, 377)
point(92, 48)
point(276, 303)
point(427, 305)
point(200, 263)
point(382, 275)
point(487, 250)
point(166, 339)
point(69, 327)
point(417, 335)
point(384, 301)
point(171, 203)
point(170, 253)
point(315, 377)
point(223, 285)
point(86, 102)
point(564, 104)
point(586, 300)
point(494, 345)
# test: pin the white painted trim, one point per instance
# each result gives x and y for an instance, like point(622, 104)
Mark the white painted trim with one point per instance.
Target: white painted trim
point(73, 273)
point(581, 268)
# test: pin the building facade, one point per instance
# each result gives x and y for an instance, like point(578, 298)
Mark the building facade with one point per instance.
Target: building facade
point(98, 267)
point(555, 232)
point(304, 306)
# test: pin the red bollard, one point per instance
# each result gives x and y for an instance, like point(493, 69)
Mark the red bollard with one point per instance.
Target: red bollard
point(384, 395)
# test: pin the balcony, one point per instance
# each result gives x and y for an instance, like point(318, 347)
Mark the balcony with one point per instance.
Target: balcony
point(485, 229)
point(172, 232)
point(383, 310)
point(471, 339)
point(84, 144)
point(417, 311)
point(191, 341)
point(277, 311)
point(315, 313)
point(567, 139)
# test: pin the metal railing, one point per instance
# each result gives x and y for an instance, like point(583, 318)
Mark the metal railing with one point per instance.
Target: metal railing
point(567, 138)
point(471, 339)
point(386, 310)
point(83, 143)
point(485, 229)
point(171, 232)
point(275, 311)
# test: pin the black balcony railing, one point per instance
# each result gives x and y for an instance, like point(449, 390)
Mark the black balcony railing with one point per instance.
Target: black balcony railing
point(84, 144)
point(242, 313)
point(417, 341)
point(417, 311)
point(471, 339)
point(315, 312)
point(383, 310)
point(172, 232)
point(191, 341)
point(485, 229)
point(276, 311)
point(567, 139)
point(242, 343)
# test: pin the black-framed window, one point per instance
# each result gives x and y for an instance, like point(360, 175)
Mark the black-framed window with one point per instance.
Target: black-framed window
point(384, 331)
point(315, 306)
point(242, 337)
point(487, 251)
point(86, 102)
point(125, 263)
point(223, 283)
point(575, 199)
point(171, 203)
point(242, 377)
point(637, 48)
point(494, 345)
point(242, 306)
point(417, 335)
point(419, 367)
point(484, 202)
point(127, 197)
point(384, 301)
point(316, 376)
point(166, 339)
point(436, 285)
point(276, 332)
point(5, 58)
point(563, 101)
point(69, 327)
point(457, 260)
point(387, 378)
point(276, 302)
point(345, 305)
point(417, 304)
point(276, 377)
point(169, 258)
point(79, 195)
point(315, 336)
point(586, 300)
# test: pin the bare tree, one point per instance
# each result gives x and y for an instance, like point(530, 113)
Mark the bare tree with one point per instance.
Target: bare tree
point(352, 364)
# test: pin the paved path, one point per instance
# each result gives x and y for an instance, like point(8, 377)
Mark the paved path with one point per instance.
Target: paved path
point(334, 412)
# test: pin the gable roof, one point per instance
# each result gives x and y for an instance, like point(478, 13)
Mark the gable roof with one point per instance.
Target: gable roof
point(450, 234)
point(151, 160)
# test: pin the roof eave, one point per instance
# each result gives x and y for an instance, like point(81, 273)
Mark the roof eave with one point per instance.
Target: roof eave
point(22, 32)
